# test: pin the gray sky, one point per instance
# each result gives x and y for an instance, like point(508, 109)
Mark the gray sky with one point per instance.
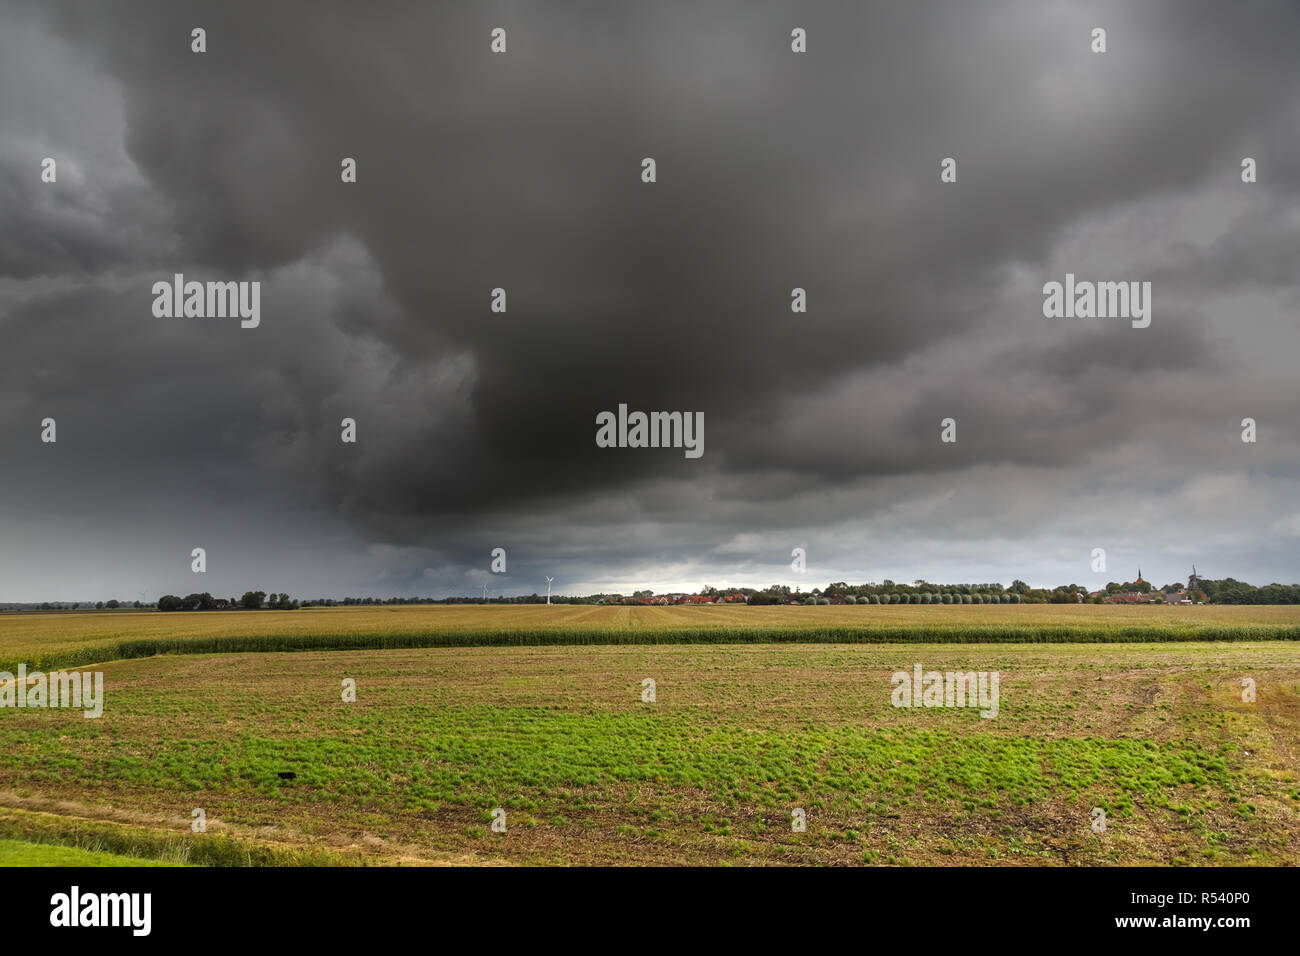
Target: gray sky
point(775, 170)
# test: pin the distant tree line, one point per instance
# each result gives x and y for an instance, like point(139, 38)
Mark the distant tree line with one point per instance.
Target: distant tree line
point(1232, 591)
point(251, 601)
point(111, 605)
point(1225, 591)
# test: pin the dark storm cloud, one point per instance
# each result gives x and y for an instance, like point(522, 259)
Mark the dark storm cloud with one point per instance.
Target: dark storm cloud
point(522, 171)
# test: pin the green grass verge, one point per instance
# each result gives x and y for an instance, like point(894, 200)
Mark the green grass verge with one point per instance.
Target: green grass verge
point(22, 853)
point(148, 846)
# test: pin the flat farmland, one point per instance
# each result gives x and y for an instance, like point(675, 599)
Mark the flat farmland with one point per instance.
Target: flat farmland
point(740, 735)
point(58, 639)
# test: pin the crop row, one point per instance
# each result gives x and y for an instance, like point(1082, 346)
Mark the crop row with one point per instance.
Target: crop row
point(954, 634)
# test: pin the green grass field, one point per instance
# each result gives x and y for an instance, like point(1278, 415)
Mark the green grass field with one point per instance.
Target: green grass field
point(1155, 734)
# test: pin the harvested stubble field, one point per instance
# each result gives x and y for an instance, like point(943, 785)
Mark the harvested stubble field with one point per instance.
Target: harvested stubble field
point(56, 640)
point(1157, 734)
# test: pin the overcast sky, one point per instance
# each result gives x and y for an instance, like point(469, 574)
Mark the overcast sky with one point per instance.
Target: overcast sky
point(522, 170)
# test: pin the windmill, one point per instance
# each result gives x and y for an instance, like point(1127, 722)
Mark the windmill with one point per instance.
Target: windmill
point(485, 594)
point(548, 590)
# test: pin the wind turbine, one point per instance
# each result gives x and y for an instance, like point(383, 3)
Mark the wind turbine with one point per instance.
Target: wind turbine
point(485, 594)
point(548, 590)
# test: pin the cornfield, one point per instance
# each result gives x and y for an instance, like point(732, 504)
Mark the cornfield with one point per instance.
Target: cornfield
point(75, 639)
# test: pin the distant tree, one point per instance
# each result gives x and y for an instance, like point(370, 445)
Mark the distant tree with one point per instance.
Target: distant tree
point(810, 600)
point(198, 602)
point(1015, 598)
point(1232, 591)
point(824, 600)
point(99, 605)
point(850, 599)
point(252, 600)
point(169, 602)
point(965, 599)
point(114, 604)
